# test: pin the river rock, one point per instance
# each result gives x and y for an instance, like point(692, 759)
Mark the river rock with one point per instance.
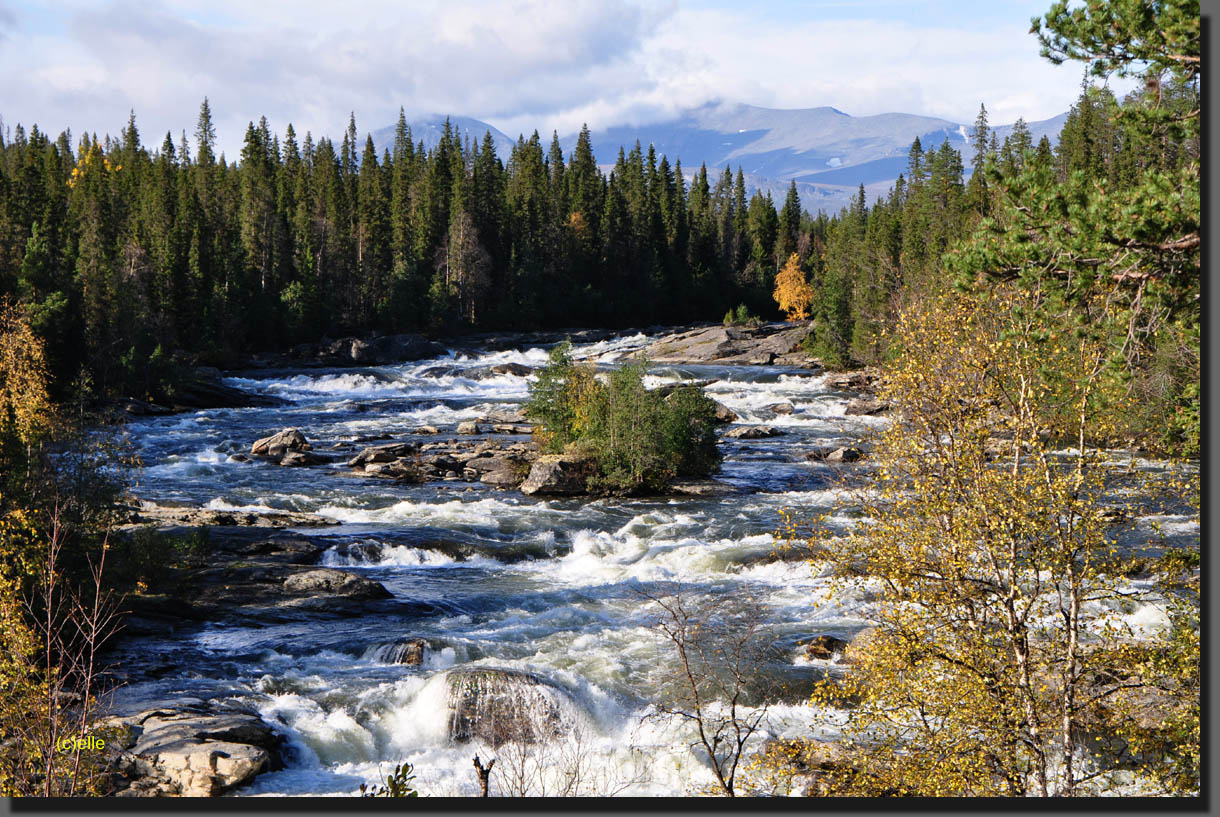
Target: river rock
point(724, 414)
point(327, 581)
point(565, 474)
point(824, 647)
point(845, 454)
point(468, 427)
point(402, 469)
point(501, 705)
point(729, 344)
point(300, 458)
point(866, 406)
point(409, 652)
point(382, 453)
point(701, 487)
point(852, 381)
point(207, 517)
point(380, 350)
point(279, 444)
point(483, 372)
point(782, 408)
point(512, 428)
point(427, 430)
point(752, 432)
point(493, 417)
point(193, 752)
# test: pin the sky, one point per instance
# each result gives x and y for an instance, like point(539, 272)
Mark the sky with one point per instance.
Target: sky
point(517, 64)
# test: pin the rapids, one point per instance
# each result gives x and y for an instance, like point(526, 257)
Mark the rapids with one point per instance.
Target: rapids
point(555, 588)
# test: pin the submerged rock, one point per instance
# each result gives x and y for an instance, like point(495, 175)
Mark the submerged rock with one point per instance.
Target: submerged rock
point(560, 474)
point(502, 705)
point(702, 487)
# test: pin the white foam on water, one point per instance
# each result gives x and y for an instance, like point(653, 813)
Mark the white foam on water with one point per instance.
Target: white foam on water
point(482, 512)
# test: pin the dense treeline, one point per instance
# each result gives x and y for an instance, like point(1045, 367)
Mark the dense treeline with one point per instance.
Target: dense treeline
point(129, 260)
point(124, 255)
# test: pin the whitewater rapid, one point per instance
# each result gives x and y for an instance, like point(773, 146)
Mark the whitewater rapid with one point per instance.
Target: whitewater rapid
point(559, 588)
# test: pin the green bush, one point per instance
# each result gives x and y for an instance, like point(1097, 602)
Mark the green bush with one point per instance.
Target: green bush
point(641, 439)
point(741, 317)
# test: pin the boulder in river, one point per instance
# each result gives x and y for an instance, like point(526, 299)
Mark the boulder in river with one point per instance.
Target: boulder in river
point(409, 652)
point(559, 474)
point(782, 408)
point(277, 445)
point(866, 406)
point(845, 454)
point(326, 581)
point(382, 453)
point(824, 647)
point(724, 414)
point(730, 345)
point(752, 432)
point(468, 427)
point(301, 458)
point(864, 381)
point(502, 705)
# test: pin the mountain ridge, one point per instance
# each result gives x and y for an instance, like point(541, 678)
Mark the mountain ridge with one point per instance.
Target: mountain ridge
point(827, 152)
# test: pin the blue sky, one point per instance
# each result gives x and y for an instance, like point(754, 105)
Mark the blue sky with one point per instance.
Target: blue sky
point(518, 64)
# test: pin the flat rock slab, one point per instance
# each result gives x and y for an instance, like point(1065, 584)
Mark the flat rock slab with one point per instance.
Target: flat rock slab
point(729, 344)
point(206, 517)
point(194, 751)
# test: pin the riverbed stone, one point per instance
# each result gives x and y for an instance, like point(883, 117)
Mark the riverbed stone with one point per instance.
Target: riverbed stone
point(382, 453)
point(559, 474)
point(275, 446)
point(468, 427)
point(866, 406)
point(824, 647)
point(724, 414)
point(501, 705)
point(845, 454)
point(195, 752)
point(752, 432)
point(332, 582)
point(297, 459)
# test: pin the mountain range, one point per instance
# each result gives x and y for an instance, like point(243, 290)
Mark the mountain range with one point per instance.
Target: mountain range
point(827, 152)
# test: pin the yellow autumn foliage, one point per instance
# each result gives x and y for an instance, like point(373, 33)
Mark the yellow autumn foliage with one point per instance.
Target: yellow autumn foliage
point(989, 542)
point(25, 407)
point(792, 291)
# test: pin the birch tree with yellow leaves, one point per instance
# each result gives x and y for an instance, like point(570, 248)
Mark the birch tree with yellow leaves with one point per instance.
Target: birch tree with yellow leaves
point(990, 541)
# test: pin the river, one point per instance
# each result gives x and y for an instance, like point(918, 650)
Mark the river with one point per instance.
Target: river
point(557, 587)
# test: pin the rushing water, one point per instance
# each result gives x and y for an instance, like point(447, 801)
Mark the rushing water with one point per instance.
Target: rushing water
point(557, 587)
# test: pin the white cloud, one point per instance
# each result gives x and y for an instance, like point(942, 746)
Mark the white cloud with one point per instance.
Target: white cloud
point(520, 64)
